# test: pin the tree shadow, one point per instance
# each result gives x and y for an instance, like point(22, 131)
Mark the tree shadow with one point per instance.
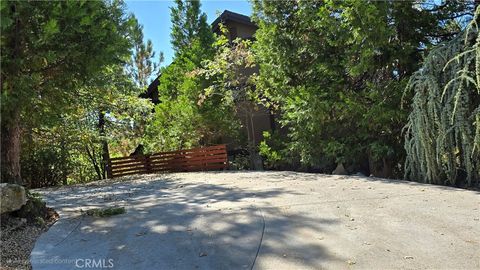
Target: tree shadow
point(181, 223)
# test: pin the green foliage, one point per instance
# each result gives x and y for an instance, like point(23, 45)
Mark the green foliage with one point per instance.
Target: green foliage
point(62, 73)
point(68, 149)
point(45, 160)
point(185, 116)
point(239, 162)
point(335, 72)
point(189, 25)
point(230, 72)
point(268, 148)
point(336, 69)
point(142, 66)
point(106, 212)
point(35, 211)
point(52, 49)
point(174, 126)
point(443, 135)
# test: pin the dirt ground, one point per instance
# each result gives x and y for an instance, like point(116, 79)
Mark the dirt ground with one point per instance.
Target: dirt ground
point(17, 240)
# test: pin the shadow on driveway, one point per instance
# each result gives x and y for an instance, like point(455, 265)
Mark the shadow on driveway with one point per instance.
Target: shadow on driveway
point(176, 222)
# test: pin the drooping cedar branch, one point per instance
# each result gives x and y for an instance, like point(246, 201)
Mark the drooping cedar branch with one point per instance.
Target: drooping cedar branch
point(443, 131)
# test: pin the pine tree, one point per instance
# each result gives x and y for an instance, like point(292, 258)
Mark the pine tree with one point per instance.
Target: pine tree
point(188, 24)
point(143, 66)
point(179, 121)
point(49, 50)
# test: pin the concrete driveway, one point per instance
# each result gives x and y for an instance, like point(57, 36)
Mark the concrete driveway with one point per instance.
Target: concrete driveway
point(262, 220)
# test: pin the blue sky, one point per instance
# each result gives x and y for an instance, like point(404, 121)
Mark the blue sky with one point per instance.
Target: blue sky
point(155, 18)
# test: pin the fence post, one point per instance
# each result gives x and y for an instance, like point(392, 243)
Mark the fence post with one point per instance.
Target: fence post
point(109, 169)
point(148, 165)
point(225, 166)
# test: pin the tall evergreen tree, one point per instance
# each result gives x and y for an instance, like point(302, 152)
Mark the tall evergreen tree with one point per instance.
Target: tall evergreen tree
point(336, 70)
point(143, 66)
point(49, 50)
point(188, 24)
point(179, 120)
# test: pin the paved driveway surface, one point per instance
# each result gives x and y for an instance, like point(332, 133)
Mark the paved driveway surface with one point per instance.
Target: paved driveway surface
point(262, 220)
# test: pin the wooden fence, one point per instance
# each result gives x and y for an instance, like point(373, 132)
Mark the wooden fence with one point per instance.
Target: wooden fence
point(196, 159)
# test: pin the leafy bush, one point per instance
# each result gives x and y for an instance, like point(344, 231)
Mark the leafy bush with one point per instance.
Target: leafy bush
point(337, 84)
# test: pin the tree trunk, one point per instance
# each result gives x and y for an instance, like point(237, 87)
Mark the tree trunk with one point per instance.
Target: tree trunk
point(105, 158)
point(105, 152)
point(93, 159)
point(10, 122)
point(271, 115)
point(11, 134)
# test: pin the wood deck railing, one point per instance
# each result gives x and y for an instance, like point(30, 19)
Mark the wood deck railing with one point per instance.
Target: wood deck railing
point(196, 159)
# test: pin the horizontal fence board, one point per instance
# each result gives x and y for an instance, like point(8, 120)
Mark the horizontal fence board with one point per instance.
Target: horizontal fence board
point(128, 164)
point(194, 150)
point(196, 159)
point(188, 154)
point(198, 162)
point(116, 169)
point(139, 169)
point(178, 156)
point(123, 158)
point(187, 159)
point(134, 161)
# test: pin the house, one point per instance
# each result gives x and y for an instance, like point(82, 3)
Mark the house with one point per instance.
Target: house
point(238, 25)
point(152, 91)
point(255, 118)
